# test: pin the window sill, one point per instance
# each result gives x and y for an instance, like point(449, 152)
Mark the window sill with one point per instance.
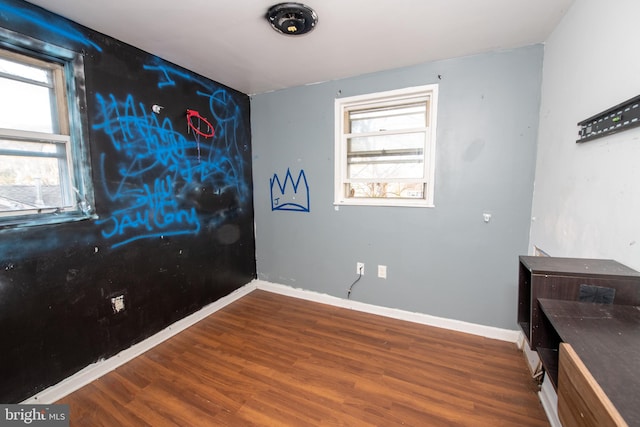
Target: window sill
point(386, 203)
point(48, 219)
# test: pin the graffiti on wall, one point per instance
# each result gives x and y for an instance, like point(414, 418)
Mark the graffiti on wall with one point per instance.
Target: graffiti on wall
point(171, 170)
point(290, 195)
point(169, 182)
point(195, 121)
point(56, 26)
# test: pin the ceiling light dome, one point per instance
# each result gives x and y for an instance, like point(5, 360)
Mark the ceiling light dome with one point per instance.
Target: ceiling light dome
point(292, 18)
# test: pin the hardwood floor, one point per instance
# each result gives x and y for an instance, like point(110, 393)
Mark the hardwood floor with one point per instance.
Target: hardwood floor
point(271, 360)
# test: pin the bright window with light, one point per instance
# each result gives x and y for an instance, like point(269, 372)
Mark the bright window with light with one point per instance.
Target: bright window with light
point(39, 156)
point(385, 148)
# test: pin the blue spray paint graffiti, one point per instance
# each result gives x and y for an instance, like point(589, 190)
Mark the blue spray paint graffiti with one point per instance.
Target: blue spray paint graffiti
point(290, 199)
point(169, 74)
point(156, 214)
point(166, 74)
point(59, 27)
point(222, 105)
point(163, 186)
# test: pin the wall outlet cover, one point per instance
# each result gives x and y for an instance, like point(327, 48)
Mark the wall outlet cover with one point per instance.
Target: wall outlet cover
point(382, 271)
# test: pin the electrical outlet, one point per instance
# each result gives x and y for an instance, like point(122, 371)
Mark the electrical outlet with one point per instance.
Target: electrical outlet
point(382, 271)
point(360, 268)
point(117, 304)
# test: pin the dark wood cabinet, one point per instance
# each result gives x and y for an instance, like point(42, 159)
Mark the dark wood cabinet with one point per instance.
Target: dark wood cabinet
point(561, 278)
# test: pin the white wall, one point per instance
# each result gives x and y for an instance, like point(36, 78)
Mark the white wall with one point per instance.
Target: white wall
point(587, 196)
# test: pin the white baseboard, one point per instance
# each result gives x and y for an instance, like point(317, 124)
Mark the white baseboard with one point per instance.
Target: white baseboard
point(533, 360)
point(424, 319)
point(102, 367)
point(549, 399)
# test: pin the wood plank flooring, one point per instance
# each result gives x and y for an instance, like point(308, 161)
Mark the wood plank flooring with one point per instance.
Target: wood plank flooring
point(271, 360)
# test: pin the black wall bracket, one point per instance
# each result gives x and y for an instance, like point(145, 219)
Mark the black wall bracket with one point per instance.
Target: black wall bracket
point(616, 119)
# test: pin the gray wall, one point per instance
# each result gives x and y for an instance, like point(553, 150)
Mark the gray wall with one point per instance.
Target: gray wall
point(443, 261)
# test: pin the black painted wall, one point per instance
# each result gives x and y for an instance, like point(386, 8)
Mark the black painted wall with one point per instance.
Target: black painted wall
point(174, 226)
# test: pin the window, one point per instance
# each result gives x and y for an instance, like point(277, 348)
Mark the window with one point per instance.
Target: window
point(385, 148)
point(41, 175)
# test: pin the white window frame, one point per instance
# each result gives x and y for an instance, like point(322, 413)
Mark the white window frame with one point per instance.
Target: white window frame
point(399, 97)
point(68, 73)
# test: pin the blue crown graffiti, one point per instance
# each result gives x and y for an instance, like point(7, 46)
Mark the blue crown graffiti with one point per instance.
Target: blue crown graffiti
point(290, 195)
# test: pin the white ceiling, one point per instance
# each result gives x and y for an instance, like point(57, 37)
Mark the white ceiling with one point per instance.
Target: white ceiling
point(231, 42)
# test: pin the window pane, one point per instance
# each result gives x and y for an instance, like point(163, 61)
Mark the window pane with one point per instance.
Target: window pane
point(24, 106)
point(386, 157)
point(390, 118)
point(396, 190)
point(37, 74)
point(364, 144)
point(390, 171)
point(32, 180)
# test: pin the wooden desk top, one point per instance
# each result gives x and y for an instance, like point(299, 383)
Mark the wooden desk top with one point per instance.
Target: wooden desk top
point(579, 267)
point(607, 340)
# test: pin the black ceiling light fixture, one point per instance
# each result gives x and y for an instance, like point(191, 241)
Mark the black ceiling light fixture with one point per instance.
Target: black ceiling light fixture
point(293, 19)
